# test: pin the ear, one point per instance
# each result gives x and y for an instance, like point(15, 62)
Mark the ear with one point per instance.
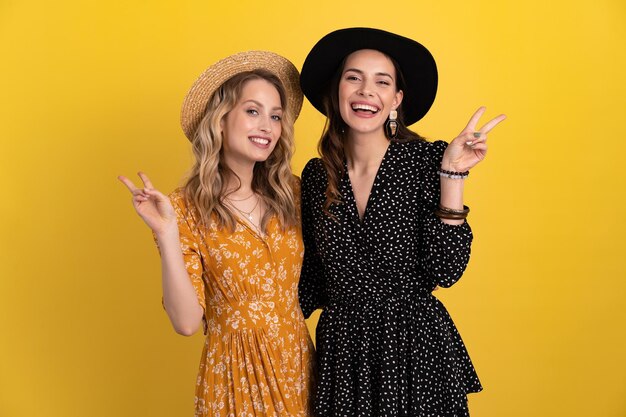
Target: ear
point(397, 100)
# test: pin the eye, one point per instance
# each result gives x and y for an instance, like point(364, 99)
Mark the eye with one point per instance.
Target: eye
point(252, 112)
point(384, 82)
point(277, 118)
point(352, 78)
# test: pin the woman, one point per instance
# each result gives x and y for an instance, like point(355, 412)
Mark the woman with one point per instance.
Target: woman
point(384, 225)
point(230, 241)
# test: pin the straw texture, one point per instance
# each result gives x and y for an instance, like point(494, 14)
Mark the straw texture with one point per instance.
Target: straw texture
point(198, 96)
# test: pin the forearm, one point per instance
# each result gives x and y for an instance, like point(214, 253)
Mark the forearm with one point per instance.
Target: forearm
point(450, 248)
point(179, 296)
point(452, 196)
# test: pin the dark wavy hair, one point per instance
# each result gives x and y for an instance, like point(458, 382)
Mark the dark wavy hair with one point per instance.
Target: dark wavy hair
point(331, 144)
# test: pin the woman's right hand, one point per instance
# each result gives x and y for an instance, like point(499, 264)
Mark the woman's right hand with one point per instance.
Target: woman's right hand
point(153, 207)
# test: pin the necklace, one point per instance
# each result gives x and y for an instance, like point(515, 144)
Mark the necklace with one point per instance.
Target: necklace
point(247, 214)
point(241, 199)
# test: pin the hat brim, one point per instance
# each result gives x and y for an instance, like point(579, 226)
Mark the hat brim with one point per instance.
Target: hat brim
point(195, 102)
point(415, 61)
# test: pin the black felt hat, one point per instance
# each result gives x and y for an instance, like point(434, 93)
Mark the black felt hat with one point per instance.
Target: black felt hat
point(416, 63)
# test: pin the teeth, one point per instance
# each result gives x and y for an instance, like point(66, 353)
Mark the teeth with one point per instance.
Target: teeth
point(364, 107)
point(260, 141)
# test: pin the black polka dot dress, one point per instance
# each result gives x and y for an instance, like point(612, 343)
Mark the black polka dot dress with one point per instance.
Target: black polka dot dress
point(386, 346)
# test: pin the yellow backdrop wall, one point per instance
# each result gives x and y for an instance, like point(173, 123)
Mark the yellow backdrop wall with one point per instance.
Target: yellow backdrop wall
point(91, 90)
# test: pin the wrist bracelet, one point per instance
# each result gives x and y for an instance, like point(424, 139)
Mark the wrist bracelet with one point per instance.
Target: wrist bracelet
point(464, 210)
point(453, 174)
point(451, 214)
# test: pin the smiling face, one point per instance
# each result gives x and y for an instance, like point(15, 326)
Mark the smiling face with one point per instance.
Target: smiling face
point(253, 127)
point(368, 91)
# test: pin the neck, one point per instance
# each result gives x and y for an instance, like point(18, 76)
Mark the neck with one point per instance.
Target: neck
point(240, 186)
point(365, 151)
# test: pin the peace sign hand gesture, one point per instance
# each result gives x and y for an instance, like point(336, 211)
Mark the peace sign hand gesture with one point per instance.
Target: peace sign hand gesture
point(153, 207)
point(470, 147)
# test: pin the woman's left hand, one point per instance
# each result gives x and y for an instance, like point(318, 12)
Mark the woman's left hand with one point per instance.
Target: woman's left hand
point(470, 147)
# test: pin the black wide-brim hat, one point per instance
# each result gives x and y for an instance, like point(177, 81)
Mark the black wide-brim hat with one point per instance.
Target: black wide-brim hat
point(418, 67)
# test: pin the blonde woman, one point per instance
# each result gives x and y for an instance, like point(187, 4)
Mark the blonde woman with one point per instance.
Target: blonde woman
point(230, 242)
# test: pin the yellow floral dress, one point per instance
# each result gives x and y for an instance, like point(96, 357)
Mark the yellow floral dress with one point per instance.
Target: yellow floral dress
point(258, 357)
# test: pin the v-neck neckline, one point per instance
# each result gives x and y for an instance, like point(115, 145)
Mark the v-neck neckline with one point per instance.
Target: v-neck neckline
point(373, 191)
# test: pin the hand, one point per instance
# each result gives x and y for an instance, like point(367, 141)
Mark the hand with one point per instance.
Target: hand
point(467, 150)
point(152, 206)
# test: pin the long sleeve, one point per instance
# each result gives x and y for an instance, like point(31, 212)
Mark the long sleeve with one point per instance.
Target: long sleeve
point(312, 287)
point(445, 248)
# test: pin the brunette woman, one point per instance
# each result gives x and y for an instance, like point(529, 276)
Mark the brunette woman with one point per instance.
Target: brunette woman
point(384, 225)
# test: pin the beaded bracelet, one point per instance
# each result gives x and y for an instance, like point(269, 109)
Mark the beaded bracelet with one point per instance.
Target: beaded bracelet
point(453, 174)
point(451, 214)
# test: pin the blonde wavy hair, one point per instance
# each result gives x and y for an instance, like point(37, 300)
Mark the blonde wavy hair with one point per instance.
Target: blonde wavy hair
point(205, 188)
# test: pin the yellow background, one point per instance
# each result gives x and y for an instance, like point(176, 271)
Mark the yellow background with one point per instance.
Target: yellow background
point(91, 90)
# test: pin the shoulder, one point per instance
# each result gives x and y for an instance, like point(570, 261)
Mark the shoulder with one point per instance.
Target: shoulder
point(313, 171)
point(295, 184)
point(295, 188)
point(181, 207)
point(424, 151)
point(314, 180)
point(177, 198)
point(314, 165)
point(297, 198)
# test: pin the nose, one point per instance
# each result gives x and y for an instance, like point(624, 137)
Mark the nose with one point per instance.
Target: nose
point(365, 89)
point(265, 124)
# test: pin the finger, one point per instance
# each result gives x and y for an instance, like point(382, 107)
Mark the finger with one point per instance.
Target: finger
point(471, 125)
point(479, 147)
point(128, 183)
point(492, 123)
point(473, 141)
point(146, 181)
point(156, 193)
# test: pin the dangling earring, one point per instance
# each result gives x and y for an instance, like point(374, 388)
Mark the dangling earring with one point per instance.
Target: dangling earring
point(391, 125)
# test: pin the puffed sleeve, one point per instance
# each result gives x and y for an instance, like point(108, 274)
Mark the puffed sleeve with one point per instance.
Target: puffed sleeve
point(312, 287)
point(190, 246)
point(446, 248)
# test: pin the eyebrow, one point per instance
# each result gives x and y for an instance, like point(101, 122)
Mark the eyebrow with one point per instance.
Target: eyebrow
point(261, 105)
point(384, 74)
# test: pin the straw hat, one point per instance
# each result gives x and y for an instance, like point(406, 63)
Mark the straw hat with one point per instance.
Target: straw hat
point(416, 63)
point(194, 104)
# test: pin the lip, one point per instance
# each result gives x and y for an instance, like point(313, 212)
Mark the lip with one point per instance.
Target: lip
point(257, 140)
point(364, 115)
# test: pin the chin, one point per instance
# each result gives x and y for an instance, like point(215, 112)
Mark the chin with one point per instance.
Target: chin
point(262, 158)
point(364, 126)
point(365, 129)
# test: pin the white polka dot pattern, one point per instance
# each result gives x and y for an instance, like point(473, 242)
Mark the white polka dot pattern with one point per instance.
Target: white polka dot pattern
point(386, 346)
